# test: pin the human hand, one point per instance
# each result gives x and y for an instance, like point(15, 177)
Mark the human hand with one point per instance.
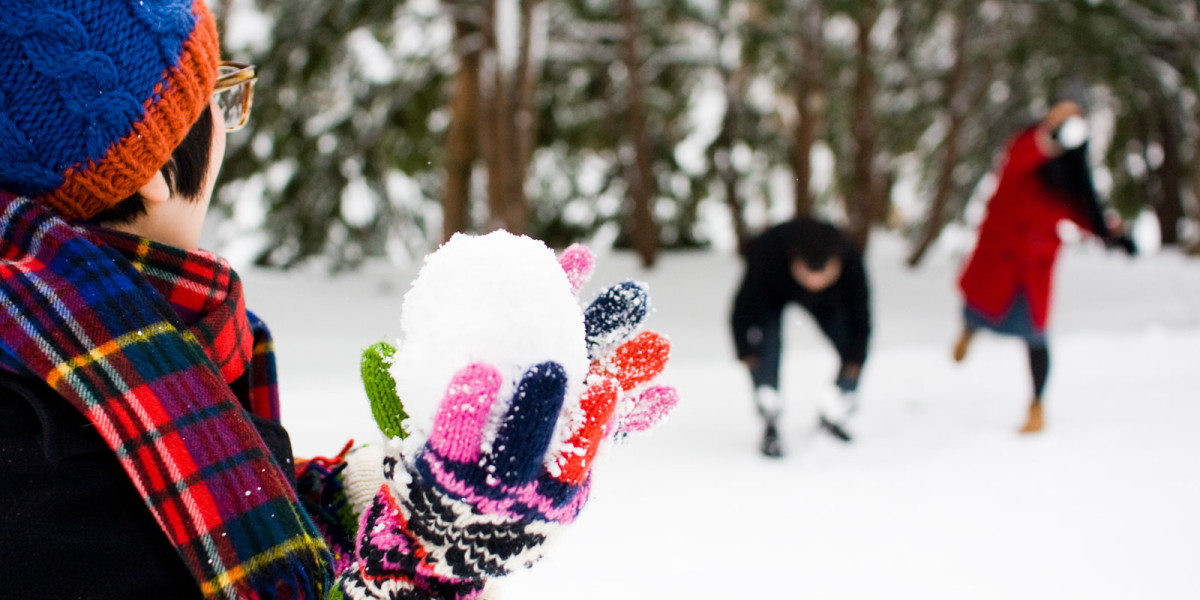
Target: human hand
point(1059, 113)
point(1063, 128)
point(506, 466)
point(751, 362)
point(847, 379)
point(1116, 236)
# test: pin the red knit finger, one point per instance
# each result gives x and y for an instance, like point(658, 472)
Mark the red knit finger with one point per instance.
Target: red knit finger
point(639, 360)
point(598, 402)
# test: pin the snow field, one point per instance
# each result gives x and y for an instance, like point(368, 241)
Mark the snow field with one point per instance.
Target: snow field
point(937, 498)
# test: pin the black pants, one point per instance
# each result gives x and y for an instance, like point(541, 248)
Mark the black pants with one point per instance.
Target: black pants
point(1039, 367)
point(1039, 359)
point(836, 327)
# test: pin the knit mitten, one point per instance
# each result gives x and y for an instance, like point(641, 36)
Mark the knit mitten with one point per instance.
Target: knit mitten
point(506, 464)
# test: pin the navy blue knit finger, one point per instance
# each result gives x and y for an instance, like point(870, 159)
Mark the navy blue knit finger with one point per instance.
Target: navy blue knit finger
point(527, 430)
point(614, 315)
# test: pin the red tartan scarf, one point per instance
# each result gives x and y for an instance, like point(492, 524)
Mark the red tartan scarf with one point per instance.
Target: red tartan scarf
point(206, 294)
point(143, 340)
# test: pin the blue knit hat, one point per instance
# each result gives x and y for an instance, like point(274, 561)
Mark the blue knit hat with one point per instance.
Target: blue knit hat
point(96, 94)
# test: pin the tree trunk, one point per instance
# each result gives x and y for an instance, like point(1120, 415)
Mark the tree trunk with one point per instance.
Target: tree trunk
point(1195, 180)
point(521, 122)
point(861, 198)
point(721, 149)
point(722, 157)
point(956, 111)
point(810, 103)
point(461, 146)
point(1169, 205)
point(493, 138)
point(642, 229)
point(733, 200)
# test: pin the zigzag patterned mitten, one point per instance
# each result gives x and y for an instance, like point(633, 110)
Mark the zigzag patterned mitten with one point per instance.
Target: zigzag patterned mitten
point(506, 464)
point(469, 509)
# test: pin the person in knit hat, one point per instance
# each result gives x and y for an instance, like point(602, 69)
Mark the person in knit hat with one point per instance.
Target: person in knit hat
point(141, 453)
point(1006, 282)
point(140, 450)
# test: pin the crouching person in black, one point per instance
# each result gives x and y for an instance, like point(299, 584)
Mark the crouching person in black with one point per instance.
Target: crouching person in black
point(815, 265)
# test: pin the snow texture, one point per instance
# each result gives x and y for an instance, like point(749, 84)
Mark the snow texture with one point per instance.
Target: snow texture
point(499, 299)
point(937, 498)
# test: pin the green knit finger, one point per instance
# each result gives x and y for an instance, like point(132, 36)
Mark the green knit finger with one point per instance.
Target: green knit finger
point(381, 389)
point(335, 593)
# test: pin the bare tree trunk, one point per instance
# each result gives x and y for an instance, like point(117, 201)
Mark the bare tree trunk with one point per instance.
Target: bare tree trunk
point(642, 229)
point(493, 138)
point(722, 157)
point(810, 102)
point(729, 181)
point(461, 146)
point(721, 150)
point(861, 198)
point(956, 111)
point(1169, 205)
point(522, 124)
point(1195, 180)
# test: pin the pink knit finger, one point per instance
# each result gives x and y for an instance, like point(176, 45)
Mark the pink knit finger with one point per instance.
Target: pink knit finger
point(650, 408)
point(578, 262)
point(458, 426)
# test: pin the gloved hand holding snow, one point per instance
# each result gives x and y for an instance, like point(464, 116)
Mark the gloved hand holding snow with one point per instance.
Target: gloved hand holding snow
point(1072, 133)
point(521, 388)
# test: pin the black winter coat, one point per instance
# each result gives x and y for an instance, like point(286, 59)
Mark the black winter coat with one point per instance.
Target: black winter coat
point(768, 286)
point(72, 525)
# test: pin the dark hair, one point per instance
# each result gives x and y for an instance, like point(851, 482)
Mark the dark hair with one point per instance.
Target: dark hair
point(1069, 174)
point(814, 242)
point(184, 171)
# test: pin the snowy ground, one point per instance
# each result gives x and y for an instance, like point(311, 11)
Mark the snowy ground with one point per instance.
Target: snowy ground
point(938, 497)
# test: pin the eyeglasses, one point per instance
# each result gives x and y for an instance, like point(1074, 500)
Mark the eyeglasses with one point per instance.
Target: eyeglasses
point(234, 93)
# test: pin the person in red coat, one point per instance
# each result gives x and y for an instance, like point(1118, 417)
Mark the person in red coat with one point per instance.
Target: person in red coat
point(1006, 283)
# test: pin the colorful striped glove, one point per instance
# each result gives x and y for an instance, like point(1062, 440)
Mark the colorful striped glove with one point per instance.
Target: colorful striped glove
point(506, 465)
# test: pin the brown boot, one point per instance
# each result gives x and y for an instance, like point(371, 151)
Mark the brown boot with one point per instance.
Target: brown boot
point(964, 342)
point(1033, 423)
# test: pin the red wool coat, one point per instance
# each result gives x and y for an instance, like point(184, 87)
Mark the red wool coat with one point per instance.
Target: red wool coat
point(1018, 239)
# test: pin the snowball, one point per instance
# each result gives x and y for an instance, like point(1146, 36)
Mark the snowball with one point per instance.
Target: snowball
point(1072, 133)
point(500, 299)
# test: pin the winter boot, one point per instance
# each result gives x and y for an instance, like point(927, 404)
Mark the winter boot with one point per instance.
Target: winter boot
point(834, 412)
point(770, 443)
point(963, 343)
point(769, 405)
point(834, 429)
point(1033, 423)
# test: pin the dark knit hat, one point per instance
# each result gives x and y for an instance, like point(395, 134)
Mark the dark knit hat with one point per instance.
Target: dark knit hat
point(96, 94)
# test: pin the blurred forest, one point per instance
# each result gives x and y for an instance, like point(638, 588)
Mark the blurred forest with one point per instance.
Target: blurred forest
point(380, 128)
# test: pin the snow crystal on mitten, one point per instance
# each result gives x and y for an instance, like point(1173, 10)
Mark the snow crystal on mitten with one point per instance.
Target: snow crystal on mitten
point(614, 315)
point(524, 388)
point(617, 399)
point(578, 262)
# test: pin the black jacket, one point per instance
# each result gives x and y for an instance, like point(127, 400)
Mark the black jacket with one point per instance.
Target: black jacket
point(768, 287)
point(72, 525)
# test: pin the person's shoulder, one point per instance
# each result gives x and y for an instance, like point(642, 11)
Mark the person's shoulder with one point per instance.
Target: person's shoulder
point(769, 237)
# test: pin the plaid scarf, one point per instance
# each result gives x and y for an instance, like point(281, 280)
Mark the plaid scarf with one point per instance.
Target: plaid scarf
point(143, 339)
